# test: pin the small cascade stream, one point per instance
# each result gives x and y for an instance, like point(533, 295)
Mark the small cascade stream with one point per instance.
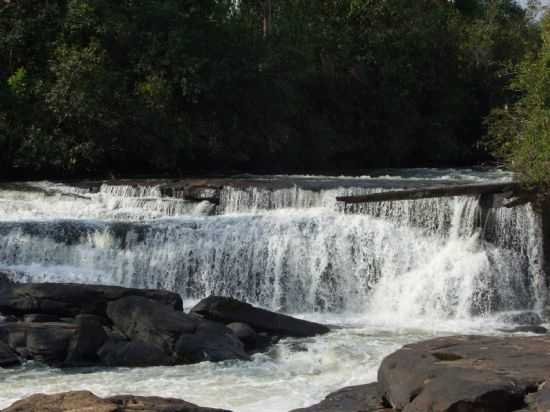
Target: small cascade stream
point(388, 273)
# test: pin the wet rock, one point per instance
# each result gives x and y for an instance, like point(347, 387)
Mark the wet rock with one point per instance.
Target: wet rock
point(72, 299)
point(246, 335)
point(129, 403)
point(211, 342)
point(5, 280)
point(14, 334)
point(465, 373)
point(86, 342)
point(228, 310)
point(244, 332)
point(523, 318)
point(364, 398)
point(40, 318)
point(132, 354)
point(87, 401)
point(7, 356)
point(540, 330)
point(49, 342)
point(150, 322)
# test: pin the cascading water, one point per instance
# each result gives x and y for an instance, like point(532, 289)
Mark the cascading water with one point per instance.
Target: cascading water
point(415, 268)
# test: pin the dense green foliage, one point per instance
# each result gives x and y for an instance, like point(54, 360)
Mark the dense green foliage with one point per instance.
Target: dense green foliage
point(520, 133)
point(151, 86)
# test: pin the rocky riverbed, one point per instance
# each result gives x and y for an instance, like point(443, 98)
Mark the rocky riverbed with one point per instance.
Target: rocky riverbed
point(69, 325)
point(455, 374)
point(449, 374)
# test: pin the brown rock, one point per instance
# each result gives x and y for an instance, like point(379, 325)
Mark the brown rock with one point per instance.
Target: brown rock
point(84, 401)
point(465, 373)
point(363, 398)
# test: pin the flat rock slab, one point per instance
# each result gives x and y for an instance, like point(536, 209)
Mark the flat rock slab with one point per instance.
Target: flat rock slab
point(228, 310)
point(363, 398)
point(87, 401)
point(465, 374)
point(64, 299)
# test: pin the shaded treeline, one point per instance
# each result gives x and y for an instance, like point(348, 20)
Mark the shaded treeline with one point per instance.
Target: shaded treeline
point(172, 86)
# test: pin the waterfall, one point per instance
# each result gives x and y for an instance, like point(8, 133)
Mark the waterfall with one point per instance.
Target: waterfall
point(288, 249)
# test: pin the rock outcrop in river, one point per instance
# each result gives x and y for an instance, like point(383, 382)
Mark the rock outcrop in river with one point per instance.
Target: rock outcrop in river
point(69, 325)
point(455, 374)
point(87, 401)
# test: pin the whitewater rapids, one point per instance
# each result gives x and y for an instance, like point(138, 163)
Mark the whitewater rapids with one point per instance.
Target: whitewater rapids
point(384, 274)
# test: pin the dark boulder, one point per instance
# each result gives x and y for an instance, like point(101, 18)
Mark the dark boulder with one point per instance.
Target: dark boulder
point(5, 280)
point(245, 333)
point(211, 342)
point(86, 342)
point(228, 310)
point(465, 373)
point(523, 318)
point(87, 401)
point(539, 330)
point(49, 342)
point(71, 299)
point(132, 354)
point(149, 321)
point(364, 398)
point(7, 356)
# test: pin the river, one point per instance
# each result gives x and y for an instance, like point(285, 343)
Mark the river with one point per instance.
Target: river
point(383, 275)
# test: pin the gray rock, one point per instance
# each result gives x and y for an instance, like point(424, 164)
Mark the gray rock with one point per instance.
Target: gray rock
point(87, 401)
point(228, 310)
point(7, 356)
point(364, 398)
point(150, 322)
point(540, 330)
point(14, 334)
point(465, 373)
point(71, 299)
point(86, 342)
point(210, 342)
point(5, 280)
point(132, 354)
point(49, 342)
point(244, 332)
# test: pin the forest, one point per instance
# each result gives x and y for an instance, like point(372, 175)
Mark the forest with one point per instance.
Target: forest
point(173, 87)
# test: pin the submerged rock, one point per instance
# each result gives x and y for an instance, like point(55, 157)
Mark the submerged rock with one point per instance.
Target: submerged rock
point(228, 310)
point(465, 373)
point(87, 401)
point(363, 398)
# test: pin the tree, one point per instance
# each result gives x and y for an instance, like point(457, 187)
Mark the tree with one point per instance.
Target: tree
point(520, 132)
